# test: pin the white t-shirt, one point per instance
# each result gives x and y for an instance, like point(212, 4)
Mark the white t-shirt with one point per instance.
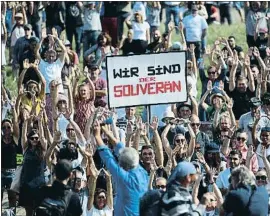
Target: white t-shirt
point(194, 26)
point(260, 160)
point(139, 30)
point(16, 34)
point(104, 212)
point(192, 80)
point(51, 72)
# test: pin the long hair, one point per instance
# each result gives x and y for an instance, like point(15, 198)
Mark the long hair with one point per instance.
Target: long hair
point(39, 150)
point(243, 176)
point(97, 192)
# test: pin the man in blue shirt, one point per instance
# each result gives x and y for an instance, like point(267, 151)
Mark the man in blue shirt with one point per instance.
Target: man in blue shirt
point(131, 180)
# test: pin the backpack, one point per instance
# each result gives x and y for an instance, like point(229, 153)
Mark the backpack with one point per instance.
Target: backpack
point(54, 206)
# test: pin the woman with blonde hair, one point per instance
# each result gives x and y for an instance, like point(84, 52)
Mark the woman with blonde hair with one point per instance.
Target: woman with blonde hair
point(141, 32)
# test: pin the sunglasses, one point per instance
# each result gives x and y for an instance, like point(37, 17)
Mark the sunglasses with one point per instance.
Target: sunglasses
point(7, 127)
point(211, 72)
point(150, 153)
point(213, 200)
point(93, 69)
point(34, 138)
point(262, 178)
point(101, 197)
point(180, 140)
point(241, 139)
point(195, 124)
point(160, 186)
point(69, 129)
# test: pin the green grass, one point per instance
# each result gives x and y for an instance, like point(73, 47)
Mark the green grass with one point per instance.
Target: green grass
point(214, 31)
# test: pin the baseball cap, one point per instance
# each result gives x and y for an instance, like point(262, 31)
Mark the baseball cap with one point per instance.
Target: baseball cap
point(255, 102)
point(34, 39)
point(181, 170)
point(194, 7)
point(18, 15)
point(28, 26)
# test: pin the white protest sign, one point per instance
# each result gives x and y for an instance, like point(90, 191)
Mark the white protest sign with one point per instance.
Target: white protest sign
point(147, 79)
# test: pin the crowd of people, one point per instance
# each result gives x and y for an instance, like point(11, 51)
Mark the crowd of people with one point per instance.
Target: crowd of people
point(64, 152)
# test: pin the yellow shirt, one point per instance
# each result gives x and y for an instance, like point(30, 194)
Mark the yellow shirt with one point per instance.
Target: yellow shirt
point(27, 103)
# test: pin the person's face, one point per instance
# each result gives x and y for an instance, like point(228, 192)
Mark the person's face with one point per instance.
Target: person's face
point(234, 161)
point(156, 35)
point(161, 184)
point(217, 102)
point(147, 156)
point(62, 105)
point(231, 42)
point(7, 128)
point(213, 202)
point(71, 146)
point(265, 137)
point(254, 110)
point(195, 125)
point(51, 57)
point(224, 124)
point(184, 112)
point(223, 135)
point(27, 32)
point(137, 17)
point(180, 140)
point(32, 46)
point(32, 87)
point(212, 74)
point(103, 41)
point(19, 20)
point(91, 6)
point(261, 178)
point(70, 131)
point(84, 92)
point(241, 139)
point(34, 139)
point(130, 112)
point(255, 72)
point(255, 6)
point(101, 200)
point(94, 72)
point(241, 86)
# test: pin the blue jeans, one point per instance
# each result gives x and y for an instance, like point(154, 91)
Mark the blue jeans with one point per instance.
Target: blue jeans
point(9, 20)
point(173, 10)
point(37, 29)
point(89, 39)
point(6, 179)
point(77, 32)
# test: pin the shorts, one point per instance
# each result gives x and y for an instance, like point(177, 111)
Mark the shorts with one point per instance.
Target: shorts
point(6, 178)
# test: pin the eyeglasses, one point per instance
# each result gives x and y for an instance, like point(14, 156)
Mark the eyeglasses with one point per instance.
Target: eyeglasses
point(101, 197)
point(241, 139)
point(160, 186)
point(262, 178)
point(180, 140)
point(69, 129)
point(34, 138)
point(195, 124)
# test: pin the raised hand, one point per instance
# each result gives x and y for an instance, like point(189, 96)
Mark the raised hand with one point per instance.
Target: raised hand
point(67, 114)
point(43, 33)
point(200, 157)
point(221, 85)
point(129, 130)
point(250, 152)
point(192, 48)
point(230, 104)
point(247, 61)
point(256, 52)
point(26, 64)
point(143, 130)
point(154, 124)
point(96, 128)
point(57, 136)
point(209, 85)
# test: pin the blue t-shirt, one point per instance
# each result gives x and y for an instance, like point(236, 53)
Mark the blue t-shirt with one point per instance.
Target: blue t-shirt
point(245, 201)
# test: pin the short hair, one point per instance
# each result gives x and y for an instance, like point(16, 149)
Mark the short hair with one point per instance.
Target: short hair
point(63, 169)
point(236, 152)
point(6, 120)
point(243, 176)
point(241, 78)
point(231, 37)
point(240, 130)
point(144, 147)
point(129, 158)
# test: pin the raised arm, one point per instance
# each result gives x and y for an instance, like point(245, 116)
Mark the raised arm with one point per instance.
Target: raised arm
point(233, 72)
point(24, 135)
point(50, 151)
point(165, 141)
point(158, 143)
point(15, 123)
point(109, 189)
point(265, 162)
point(42, 139)
point(128, 22)
point(92, 184)
point(208, 91)
point(251, 84)
point(63, 49)
point(192, 141)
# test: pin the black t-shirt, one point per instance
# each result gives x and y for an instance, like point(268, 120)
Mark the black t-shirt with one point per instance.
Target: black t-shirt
point(262, 45)
point(241, 101)
point(9, 152)
point(237, 48)
point(127, 47)
point(73, 14)
point(110, 9)
point(59, 190)
point(53, 14)
point(34, 17)
point(152, 47)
